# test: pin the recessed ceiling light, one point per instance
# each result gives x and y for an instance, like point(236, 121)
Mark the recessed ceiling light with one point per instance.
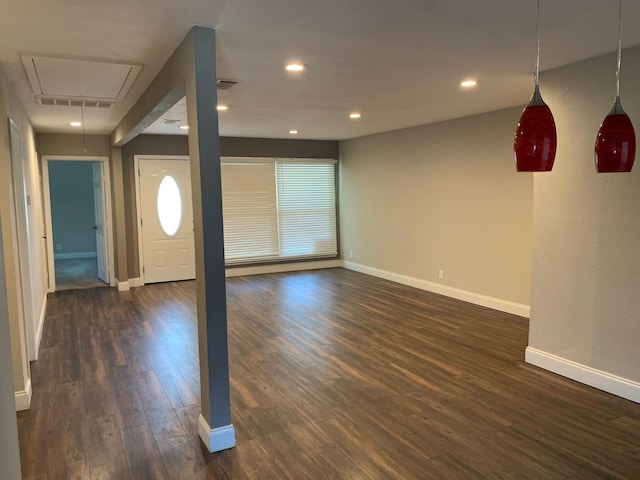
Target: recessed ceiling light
point(75, 124)
point(222, 108)
point(293, 131)
point(355, 115)
point(184, 127)
point(468, 83)
point(296, 67)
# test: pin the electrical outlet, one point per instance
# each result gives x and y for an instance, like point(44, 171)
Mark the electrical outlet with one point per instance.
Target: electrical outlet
point(350, 253)
point(441, 274)
point(58, 246)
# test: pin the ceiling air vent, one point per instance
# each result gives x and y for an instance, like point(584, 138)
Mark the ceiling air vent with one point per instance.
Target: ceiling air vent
point(71, 102)
point(225, 84)
point(169, 121)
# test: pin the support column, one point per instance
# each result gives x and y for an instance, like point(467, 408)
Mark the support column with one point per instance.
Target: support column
point(215, 428)
point(191, 71)
point(118, 220)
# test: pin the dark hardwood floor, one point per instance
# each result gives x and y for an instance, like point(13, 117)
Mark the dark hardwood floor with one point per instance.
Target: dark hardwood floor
point(334, 375)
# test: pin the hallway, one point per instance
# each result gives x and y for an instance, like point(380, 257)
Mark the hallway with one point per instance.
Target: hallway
point(77, 273)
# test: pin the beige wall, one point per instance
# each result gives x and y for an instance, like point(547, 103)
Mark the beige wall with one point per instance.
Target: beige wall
point(586, 228)
point(441, 196)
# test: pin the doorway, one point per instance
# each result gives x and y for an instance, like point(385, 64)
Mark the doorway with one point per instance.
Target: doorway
point(78, 216)
point(165, 218)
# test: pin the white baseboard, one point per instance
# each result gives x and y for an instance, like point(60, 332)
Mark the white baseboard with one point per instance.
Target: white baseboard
point(135, 282)
point(282, 267)
point(464, 295)
point(216, 439)
point(122, 286)
point(607, 382)
point(23, 397)
point(71, 256)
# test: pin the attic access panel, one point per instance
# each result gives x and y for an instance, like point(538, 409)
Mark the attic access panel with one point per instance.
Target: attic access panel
point(87, 79)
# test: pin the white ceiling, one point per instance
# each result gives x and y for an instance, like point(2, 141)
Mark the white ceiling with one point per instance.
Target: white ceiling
point(399, 62)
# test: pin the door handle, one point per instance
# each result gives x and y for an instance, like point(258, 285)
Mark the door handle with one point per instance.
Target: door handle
point(95, 227)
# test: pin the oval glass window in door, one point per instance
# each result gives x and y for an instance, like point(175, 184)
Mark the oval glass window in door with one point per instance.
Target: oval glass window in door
point(169, 206)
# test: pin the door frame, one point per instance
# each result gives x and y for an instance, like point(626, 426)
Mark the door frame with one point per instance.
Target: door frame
point(19, 202)
point(136, 166)
point(47, 211)
point(99, 204)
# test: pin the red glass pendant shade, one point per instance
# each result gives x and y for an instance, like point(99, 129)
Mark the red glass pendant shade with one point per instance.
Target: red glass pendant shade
point(616, 142)
point(536, 140)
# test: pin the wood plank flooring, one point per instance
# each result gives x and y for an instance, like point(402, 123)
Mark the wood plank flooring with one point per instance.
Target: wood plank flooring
point(334, 375)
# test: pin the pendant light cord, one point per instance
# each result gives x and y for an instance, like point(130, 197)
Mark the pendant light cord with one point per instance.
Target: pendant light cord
point(84, 137)
point(619, 49)
point(538, 54)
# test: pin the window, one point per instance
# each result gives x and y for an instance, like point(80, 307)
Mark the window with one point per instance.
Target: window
point(306, 209)
point(249, 209)
point(169, 205)
point(278, 209)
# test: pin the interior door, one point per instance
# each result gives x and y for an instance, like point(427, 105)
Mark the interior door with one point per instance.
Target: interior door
point(166, 223)
point(100, 222)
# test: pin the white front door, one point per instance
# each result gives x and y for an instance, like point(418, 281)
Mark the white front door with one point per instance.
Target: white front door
point(166, 223)
point(100, 222)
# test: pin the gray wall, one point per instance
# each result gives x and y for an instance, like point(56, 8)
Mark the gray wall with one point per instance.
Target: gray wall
point(10, 107)
point(96, 145)
point(586, 227)
point(280, 148)
point(125, 205)
point(72, 144)
point(444, 196)
point(14, 366)
point(72, 206)
point(9, 452)
point(229, 147)
point(143, 145)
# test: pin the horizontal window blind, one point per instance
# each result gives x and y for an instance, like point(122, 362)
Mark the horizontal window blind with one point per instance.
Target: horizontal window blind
point(278, 209)
point(306, 209)
point(249, 209)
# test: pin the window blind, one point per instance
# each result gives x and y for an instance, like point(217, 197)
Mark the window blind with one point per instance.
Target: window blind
point(249, 209)
point(278, 209)
point(306, 209)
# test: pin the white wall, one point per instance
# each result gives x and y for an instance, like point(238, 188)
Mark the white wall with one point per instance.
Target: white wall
point(445, 197)
point(586, 235)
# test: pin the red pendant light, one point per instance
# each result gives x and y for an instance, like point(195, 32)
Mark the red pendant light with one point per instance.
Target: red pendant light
point(536, 139)
point(616, 139)
point(616, 142)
